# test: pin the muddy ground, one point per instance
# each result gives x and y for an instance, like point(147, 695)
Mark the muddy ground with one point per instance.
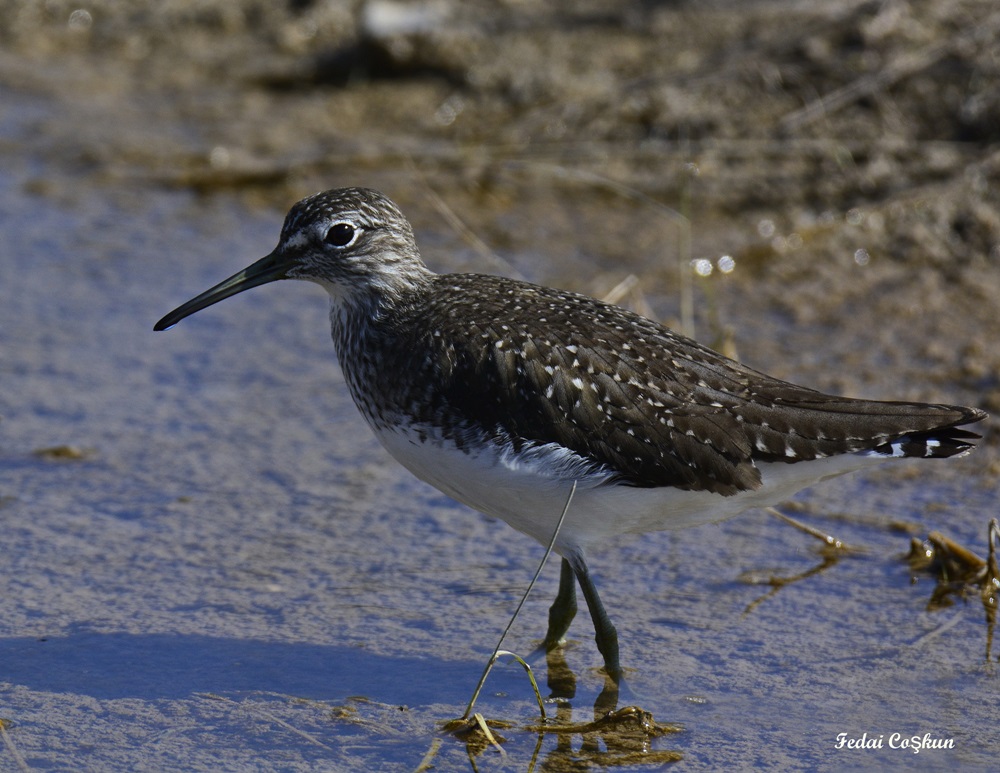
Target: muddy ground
point(844, 156)
point(216, 561)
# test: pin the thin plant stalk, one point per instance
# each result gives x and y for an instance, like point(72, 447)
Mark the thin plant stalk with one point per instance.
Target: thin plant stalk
point(524, 598)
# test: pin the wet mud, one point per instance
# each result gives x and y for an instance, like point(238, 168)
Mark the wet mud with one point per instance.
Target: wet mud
point(208, 563)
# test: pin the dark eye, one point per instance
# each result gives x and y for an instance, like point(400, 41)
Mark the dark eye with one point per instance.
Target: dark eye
point(340, 234)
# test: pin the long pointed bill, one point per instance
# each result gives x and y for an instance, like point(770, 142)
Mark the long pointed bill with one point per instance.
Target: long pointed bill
point(268, 269)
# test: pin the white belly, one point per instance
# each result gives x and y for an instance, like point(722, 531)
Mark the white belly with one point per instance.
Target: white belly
point(530, 493)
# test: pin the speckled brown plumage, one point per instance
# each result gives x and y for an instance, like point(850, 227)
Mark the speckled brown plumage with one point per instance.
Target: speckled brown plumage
point(508, 396)
point(483, 355)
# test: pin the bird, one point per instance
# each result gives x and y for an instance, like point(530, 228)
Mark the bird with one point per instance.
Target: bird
point(507, 396)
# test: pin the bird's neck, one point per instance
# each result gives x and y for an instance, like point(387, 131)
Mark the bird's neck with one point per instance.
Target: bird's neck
point(380, 347)
point(358, 316)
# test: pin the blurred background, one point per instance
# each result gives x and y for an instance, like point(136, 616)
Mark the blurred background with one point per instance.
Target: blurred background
point(840, 156)
point(206, 557)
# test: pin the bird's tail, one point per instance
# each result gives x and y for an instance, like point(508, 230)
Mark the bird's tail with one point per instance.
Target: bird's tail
point(932, 444)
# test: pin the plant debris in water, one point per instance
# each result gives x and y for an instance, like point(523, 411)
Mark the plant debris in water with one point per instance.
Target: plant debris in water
point(477, 732)
point(830, 552)
point(959, 572)
point(618, 738)
point(65, 453)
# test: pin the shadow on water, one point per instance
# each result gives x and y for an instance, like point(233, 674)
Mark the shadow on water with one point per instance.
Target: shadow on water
point(771, 688)
point(321, 695)
point(125, 665)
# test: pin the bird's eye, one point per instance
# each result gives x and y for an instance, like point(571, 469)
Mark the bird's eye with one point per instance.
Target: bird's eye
point(341, 235)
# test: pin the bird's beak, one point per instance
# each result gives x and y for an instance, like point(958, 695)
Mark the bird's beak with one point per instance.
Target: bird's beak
point(268, 269)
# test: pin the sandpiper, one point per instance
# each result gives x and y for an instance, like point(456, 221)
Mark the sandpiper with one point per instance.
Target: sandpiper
point(503, 394)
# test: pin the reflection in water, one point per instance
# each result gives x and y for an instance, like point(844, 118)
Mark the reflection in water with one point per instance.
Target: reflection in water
point(959, 572)
point(561, 679)
point(831, 551)
point(614, 738)
point(618, 738)
point(828, 558)
point(562, 684)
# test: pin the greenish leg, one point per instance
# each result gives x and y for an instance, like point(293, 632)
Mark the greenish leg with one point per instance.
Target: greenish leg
point(563, 609)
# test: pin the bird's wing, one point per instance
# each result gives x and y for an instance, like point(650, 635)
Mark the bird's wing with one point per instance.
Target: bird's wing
point(654, 408)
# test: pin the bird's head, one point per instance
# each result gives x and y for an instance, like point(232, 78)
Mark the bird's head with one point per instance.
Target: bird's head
point(353, 241)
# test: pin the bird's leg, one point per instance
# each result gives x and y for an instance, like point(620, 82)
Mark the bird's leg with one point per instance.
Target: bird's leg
point(605, 633)
point(563, 609)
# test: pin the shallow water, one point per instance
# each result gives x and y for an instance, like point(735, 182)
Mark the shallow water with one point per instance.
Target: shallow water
point(233, 575)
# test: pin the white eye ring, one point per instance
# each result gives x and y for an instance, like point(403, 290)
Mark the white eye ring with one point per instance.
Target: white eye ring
point(342, 234)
